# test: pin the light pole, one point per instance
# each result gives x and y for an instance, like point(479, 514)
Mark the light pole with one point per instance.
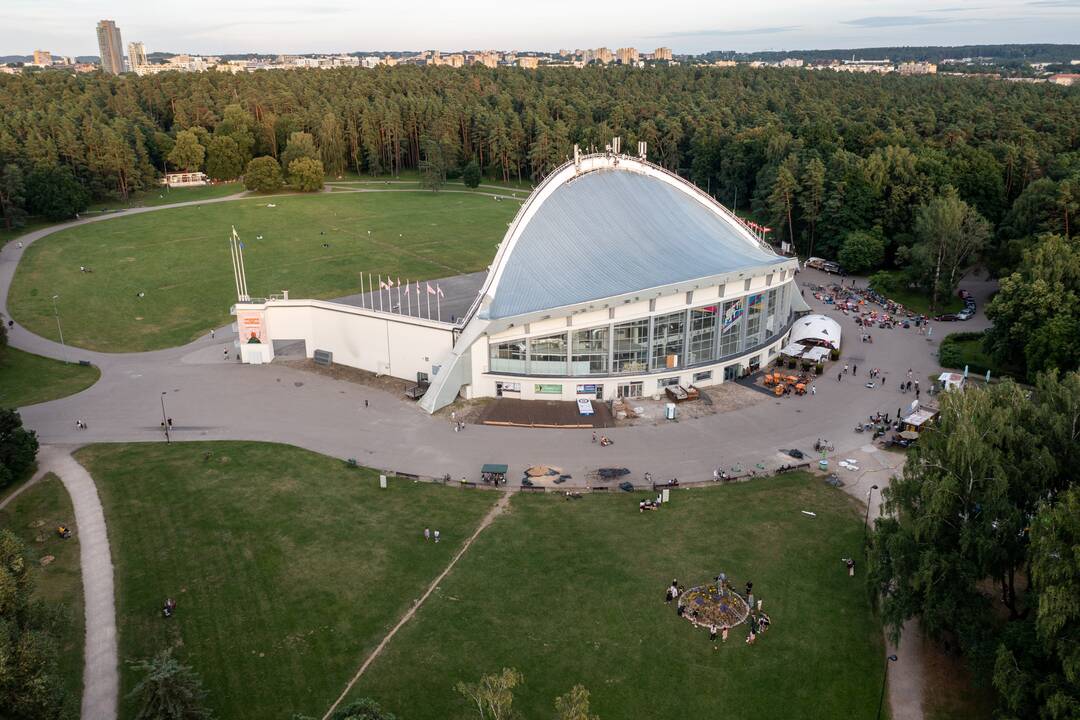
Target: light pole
point(881, 700)
point(164, 420)
point(56, 312)
point(866, 520)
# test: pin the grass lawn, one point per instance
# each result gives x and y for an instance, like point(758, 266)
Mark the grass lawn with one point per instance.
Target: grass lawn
point(165, 196)
point(915, 299)
point(179, 258)
point(26, 379)
point(35, 514)
point(571, 592)
point(288, 567)
point(960, 349)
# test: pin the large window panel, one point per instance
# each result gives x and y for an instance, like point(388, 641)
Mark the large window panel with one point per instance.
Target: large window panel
point(771, 314)
point(702, 344)
point(630, 347)
point(590, 352)
point(667, 340)
point(547, 355)
point(508, 357)
point(755, 314)
point(731, 326)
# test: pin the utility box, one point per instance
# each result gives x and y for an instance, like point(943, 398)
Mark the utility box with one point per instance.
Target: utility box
point(323, 357)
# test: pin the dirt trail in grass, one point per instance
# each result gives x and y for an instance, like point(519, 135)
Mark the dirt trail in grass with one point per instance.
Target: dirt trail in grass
point(495, 511)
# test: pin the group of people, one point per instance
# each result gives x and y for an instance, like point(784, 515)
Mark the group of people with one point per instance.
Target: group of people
point(757, 621)
point(80, 424)
point(428, 534)
point(648, 504)
point(603, 440)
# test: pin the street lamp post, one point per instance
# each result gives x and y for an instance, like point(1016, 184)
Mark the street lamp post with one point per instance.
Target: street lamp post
point(866, 520)
point(59, 329)
point(884, 676)
point(164, 419)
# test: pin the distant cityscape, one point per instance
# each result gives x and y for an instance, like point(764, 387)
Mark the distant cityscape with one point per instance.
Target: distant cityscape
point(112, 60)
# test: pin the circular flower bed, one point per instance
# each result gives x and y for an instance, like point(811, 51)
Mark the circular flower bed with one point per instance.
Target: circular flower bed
point(706, 605)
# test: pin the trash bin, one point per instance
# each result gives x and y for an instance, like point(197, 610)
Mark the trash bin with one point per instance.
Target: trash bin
point(824, 465)
point(669, 411)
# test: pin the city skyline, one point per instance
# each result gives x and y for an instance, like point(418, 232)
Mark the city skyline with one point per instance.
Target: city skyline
point(698, 26)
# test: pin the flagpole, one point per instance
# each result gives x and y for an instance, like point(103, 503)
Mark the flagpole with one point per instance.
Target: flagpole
point(361, 289)
point(438, 305)
point(380, 292)
point(399, 295)
point(417, 298)
point(371, 298)
point(408, 296)
point(428, 296)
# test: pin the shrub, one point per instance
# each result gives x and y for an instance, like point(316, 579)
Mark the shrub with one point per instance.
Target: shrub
point(306, 174)
point(470, 175)
point(263, 174)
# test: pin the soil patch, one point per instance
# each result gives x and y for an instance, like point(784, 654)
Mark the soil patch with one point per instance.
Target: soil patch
point(544, 414)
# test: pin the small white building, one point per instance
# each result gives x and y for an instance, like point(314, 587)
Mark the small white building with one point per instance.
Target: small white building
point(185, 179)
point(951, 381)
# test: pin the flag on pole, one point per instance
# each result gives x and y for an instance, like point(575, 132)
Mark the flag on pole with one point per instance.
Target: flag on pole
point(430, 290)
point(438, 291)
point(408, 297)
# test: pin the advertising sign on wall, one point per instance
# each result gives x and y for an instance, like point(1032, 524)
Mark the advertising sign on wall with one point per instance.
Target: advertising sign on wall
point(251, 326)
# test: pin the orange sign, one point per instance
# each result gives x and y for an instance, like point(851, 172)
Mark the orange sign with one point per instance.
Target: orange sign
point(251, 326)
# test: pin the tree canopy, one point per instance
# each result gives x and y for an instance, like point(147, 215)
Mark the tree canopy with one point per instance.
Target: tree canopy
point(982, 504)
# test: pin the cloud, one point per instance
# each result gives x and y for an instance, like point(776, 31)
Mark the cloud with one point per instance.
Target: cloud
point(774, 30)
point(1056, 3)
point(965, 9)
point(886, 21)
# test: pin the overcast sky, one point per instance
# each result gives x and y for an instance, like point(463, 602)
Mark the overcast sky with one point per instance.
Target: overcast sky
point(687, 26)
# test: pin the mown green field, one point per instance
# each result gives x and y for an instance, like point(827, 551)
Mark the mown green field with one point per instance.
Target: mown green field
point(26, 379)
point(571, 592)
point(289, 567)
point(312, 245)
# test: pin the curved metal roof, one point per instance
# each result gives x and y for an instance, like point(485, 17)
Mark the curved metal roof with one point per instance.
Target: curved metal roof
point(618, 230)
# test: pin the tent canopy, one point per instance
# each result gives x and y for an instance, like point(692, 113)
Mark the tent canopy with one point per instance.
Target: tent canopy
point(816, 330)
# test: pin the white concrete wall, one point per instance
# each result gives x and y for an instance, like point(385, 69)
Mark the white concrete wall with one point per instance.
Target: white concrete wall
point(386, 343)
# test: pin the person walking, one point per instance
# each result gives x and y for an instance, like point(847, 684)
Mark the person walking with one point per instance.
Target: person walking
point(436, 537)
point(211, 333)
point(427, 534)
point(854, 369)
point(226, 353)
point(838, 376)
point(813, 389)
point(845, 368)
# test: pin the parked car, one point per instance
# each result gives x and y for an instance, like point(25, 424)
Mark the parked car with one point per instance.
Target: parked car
point(963, 294)
point(947, 317)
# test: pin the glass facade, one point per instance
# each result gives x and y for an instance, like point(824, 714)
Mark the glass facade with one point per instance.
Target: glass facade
point(702, 343)
point(667, 340)
point(731, 327)
point(630, 347)
point(509, 357)
point(691, 337)
point(547, 355)
point(590, 352)
point(755, 313)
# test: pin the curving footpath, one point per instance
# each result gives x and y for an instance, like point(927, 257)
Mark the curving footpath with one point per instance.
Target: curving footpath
point(211, 398)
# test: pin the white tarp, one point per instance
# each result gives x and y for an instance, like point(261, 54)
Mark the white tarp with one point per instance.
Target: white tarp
point(817, 354)
point(952, 381)
point(793, 350)
point(816, 330)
